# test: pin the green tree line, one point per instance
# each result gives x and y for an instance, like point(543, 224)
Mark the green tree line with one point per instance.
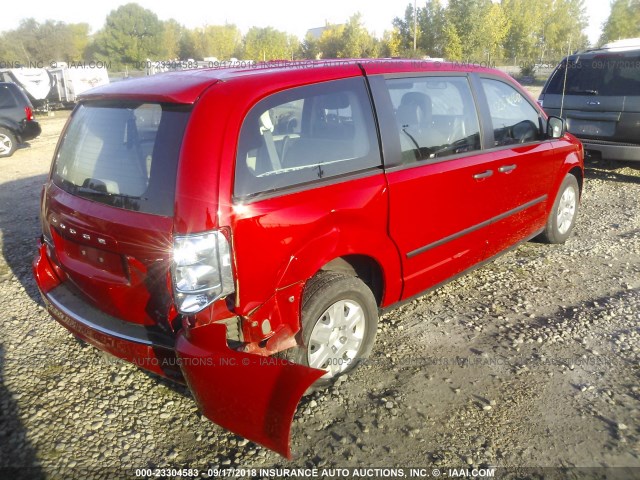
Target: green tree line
point(511, 31)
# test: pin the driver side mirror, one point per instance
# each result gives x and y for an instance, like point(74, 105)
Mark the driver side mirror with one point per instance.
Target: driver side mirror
point(556, 127)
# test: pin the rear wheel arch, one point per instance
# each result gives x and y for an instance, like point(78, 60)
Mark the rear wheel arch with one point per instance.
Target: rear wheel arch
point(339, 318)
point(355, 280)
point(363, 267)
point(10, 124)
point(376, 263)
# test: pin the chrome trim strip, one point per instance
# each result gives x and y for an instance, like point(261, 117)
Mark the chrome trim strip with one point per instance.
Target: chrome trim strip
point(481, 264)
point(61, 296)
point(473, 228)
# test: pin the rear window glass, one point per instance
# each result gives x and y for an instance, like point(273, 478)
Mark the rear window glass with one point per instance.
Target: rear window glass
point(608, 75)
point(123, 155)
point(305, 135)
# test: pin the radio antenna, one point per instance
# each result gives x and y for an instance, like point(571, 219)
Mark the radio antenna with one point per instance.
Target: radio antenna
point(564, 83)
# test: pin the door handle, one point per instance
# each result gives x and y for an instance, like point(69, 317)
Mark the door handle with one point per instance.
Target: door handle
point(485, 174)
point(507, 168)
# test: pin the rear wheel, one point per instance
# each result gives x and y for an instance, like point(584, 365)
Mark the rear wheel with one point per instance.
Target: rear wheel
point(8, 143)
point(339, 323)
point(563, 214)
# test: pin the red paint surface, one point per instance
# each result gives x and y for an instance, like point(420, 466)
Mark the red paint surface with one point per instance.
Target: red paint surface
point(279, 243)
point(250, 395)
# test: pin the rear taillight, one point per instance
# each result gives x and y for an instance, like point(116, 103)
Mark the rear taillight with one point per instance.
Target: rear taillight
point(201, 270)
point(28, 113)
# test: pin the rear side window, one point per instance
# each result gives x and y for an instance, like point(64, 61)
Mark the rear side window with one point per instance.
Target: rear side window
point(305, 135)
point(436, 117)
point(514, 119)
point(123, 155)
point(7, 100)
point(608, 75)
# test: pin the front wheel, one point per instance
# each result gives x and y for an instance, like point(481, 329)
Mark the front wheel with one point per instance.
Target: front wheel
point(563, 214)
point(339, 323)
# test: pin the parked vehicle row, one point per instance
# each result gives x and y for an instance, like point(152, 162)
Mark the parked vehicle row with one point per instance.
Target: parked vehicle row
point(57, 86)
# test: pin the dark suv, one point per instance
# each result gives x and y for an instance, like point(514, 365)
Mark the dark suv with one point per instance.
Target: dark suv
point(599, 96)
point(17, 123)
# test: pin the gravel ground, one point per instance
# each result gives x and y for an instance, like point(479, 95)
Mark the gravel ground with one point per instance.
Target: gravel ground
point(530, 361)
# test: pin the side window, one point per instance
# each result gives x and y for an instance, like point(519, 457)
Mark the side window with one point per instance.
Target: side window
point(304, 135)
point(436, 117)
point(514, 119)
point(6, 98)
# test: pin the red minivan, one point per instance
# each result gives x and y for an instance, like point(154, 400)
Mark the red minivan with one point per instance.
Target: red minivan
point(240, 230)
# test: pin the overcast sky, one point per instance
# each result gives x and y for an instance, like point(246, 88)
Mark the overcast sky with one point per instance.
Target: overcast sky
point(293, 16)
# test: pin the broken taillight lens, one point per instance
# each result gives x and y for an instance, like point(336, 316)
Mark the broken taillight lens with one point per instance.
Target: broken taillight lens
point(202, 270)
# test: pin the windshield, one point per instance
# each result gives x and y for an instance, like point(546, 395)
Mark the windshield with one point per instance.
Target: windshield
point(608, 75)
point(124, 155)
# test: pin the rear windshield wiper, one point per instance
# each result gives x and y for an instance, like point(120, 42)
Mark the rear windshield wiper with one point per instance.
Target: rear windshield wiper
point(90, 190)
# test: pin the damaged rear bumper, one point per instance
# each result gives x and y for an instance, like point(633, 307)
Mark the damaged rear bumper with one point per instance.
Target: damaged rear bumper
point(251, 395)
point(145, 347)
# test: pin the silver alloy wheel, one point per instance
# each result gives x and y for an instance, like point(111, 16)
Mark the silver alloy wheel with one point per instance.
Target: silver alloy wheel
point(566, 210)
point(5, 144)
point(336, 337)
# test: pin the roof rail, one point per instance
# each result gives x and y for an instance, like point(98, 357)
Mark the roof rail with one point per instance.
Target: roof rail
point(618, 46)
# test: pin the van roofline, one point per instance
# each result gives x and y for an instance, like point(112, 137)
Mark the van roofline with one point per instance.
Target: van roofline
point(186, 86)
point(624, 45)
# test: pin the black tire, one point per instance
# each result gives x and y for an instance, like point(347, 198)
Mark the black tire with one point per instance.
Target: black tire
point(8, 143)
point(561, 218)
point(321, 292)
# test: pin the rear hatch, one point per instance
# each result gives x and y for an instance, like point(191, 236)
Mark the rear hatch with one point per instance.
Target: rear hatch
point(601, 98)
point(108, 206)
